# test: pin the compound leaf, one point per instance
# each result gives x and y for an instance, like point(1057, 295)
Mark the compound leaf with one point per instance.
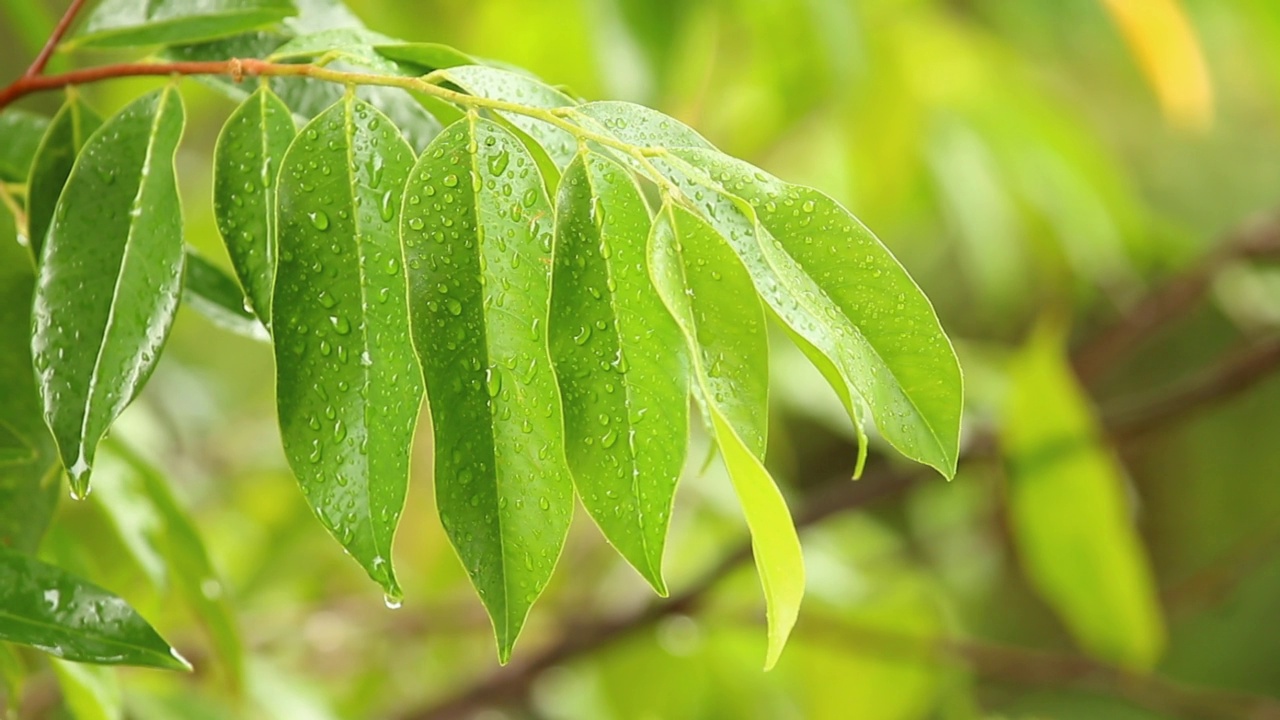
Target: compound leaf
point(497, 84)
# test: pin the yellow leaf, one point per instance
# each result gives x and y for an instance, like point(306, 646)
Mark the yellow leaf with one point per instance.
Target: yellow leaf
point(1165, 45)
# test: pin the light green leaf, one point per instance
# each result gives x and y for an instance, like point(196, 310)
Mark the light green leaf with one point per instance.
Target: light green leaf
point(13, 675)
point(641, 126)
point(833, 284)
point(348, 386)
point(499, 84)
point(29, 482)
point(21, 131)
point(619, 363)
point(54, 611)
point(124, 23)
point(356, 42)
point(58, 150)
point(245, 164)
point(110, 276)
point(215, 294)
point(90, 693)
point(477, 230)
point(1071, 520)
point(423, 56)
point(710, 294)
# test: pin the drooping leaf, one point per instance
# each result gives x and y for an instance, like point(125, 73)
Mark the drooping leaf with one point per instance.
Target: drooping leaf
point(710, 294)
point(54, 611)
point(90, 693)
point(29, 482)
point(1071, 519)
point(110, 276)
point(124, 23)
point(843, 293)
point(245, 164)
point(505, 85)
point(348, 386)
point(21, 131)
point(619, 363)
point(215, 294)
point(61, 144)
point(477, 229)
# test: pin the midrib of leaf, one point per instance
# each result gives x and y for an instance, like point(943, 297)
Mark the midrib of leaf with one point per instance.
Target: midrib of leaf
point(349, 134)
point(497, 474)
point(104, 639)
point(627, 384)
point(134, 208)
point(269, 196)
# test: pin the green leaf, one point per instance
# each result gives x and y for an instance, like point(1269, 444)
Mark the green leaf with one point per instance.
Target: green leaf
point(423, 56)
point(54, 611)
point(110, 276)
point(345, 43)
point(617, 356)
point(477, 229)
point(215, 294)
point(21, 131)
point(833, 284)
point(710, 294)
point(641, 126)
point(245, 165)
point(499, 84)
point(348, 386)
point(13, 675)
point(90, 693)
point(124, 23)
point(58, 150)
point(1071, 520)
point(29, 483)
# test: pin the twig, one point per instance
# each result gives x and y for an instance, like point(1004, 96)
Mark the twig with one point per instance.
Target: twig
point(42, 60)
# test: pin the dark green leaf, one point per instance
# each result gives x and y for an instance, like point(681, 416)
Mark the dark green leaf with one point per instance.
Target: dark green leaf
point(619, 362)
point(29, 482)
point(21, 131)
point(505, 85)
point(477, 229)
point(245, 164)
point(61, 145)
point(110, 276)
point(1071, 519)
point(124, 23)
point(348, 386)
point(215, 294)
point(710, 294)
point(54, 611)
point(425, 57)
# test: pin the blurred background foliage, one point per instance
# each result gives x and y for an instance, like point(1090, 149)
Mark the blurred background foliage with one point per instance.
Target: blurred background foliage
point(1102, 170)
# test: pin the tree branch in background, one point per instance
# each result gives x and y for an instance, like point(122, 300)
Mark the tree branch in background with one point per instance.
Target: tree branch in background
point(42, 60)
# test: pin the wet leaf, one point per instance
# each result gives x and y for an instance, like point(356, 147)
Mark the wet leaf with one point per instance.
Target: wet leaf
point(619, 363)
point(215, 294)
point(110, 276)
point(54, 611)
point(477, 230)
point(21, 131)
point(424, 57)
point(710, 294)
point(124, 23)
point(348, 386)
point(66, 136)
point(1071, 519)
point(245, 170)
point(499, 84)
point(641, 126)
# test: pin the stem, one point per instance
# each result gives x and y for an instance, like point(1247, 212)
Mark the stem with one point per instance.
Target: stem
point(38, 65)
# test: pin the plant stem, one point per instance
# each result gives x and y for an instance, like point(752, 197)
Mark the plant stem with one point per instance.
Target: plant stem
point(38, 65)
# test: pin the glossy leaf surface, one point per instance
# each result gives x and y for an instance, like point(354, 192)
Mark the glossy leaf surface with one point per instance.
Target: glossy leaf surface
point(110, 276)
point(1071, 518)
point(246, 162)
point(710, 294)
point(52, 610)
point(209, 290)
point(837, 288)
point(124, 23)
point(21, 131)
point(477, 229)
point(66, 136)
point(498, 84)
point(619, 362)
point(348, 386)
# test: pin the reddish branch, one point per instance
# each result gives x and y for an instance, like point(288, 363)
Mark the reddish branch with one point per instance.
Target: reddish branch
point(38, 65)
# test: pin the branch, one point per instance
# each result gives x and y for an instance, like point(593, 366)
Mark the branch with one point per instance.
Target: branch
point(42, 60)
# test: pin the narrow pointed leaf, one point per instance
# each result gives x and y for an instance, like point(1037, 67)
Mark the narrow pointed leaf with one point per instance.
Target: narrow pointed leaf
point(54, 611)
point(477, 229)
point(209, 290)
point(499, 84)
point(641, 126)
point(59, 148)
point(29, 482)
point(21, 131)
point(1069, 511)
point(110, 276)
point(423, 56)
point(348, 386)
point(710, 294)
point(125, 23)
point(619, 362)
point(835, 286)
point(245, 165)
